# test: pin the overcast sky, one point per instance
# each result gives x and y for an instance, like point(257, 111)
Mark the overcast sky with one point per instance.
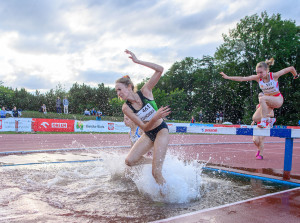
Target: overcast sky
point(47, 42)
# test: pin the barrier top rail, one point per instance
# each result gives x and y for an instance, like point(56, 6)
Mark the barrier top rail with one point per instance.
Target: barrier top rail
point(272, 132)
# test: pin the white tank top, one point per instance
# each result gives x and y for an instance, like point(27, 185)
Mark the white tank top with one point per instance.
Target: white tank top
point(270, 87)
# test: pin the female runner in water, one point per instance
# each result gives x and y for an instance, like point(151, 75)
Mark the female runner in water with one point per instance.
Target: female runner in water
point(268, 83)
point(141, 108)
point(259, 140)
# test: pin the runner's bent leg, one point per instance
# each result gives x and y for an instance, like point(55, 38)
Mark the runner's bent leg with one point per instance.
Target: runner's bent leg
point(141, 147)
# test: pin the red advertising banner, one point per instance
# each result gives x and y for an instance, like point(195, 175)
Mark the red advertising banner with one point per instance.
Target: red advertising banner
point(53, 125)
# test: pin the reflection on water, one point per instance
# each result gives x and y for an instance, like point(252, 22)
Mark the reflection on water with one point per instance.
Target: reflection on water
point(107, 190)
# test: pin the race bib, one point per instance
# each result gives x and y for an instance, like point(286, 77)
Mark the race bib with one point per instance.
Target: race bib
point(146, 113)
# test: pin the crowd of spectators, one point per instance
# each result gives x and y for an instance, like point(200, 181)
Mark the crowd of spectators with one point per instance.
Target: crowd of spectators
point(93, 112)
point(58, 103)
point(65, 102)
point(6, 112)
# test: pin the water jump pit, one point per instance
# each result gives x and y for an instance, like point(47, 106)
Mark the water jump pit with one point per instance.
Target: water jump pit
point(96, 186)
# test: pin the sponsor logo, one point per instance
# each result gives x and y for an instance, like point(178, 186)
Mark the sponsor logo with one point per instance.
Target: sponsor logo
point(211, 130)
point(59, 125)
point(0, 124)
point(45, 124)
point(111, 126)
point(79, 125)
point(202, 130)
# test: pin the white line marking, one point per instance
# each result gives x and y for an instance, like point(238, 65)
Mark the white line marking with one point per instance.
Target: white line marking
point(223, 206)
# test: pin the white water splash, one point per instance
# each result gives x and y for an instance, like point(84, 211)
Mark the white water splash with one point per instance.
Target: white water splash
point(183, 180)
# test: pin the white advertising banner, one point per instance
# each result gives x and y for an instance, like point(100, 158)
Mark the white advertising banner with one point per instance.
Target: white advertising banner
point(100, 126)
point(7, 125)
point(15, 124)
point(90, 126)
point(24, 124)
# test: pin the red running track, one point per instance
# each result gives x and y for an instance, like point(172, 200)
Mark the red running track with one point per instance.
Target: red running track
point(239, 155)
point(276, 208)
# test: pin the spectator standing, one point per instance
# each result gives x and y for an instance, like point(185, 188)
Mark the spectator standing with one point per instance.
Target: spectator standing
point(41, 108)
point(193, 120)
point(3, 113)
point(200, 117)
point(66, 105)
point(15, 112)
point(239, 121)
point(217, 117)
point(58, 105)
point(221, 117)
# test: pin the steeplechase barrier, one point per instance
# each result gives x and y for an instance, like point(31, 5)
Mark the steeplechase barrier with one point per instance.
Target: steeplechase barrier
point(288, 133)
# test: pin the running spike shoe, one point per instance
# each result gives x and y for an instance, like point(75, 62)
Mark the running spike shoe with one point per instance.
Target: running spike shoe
point(272, 121)
point(263, 123)
point(258, 156)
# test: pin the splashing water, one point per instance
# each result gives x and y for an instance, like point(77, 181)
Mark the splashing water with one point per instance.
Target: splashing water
point(183, 180)
point(108, 190)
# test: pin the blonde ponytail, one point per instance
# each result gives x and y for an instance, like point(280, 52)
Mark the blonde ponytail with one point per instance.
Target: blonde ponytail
point(270, 62)
point(266, 64)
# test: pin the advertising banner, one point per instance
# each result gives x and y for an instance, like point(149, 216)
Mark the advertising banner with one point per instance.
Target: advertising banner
point(24, 124)
point(90, 126)
point(100, 126)
point(53, 125)
point(7, 125)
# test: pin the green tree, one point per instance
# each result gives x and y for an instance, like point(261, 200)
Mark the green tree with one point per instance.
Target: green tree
point(116, 107)
point(6, 97)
